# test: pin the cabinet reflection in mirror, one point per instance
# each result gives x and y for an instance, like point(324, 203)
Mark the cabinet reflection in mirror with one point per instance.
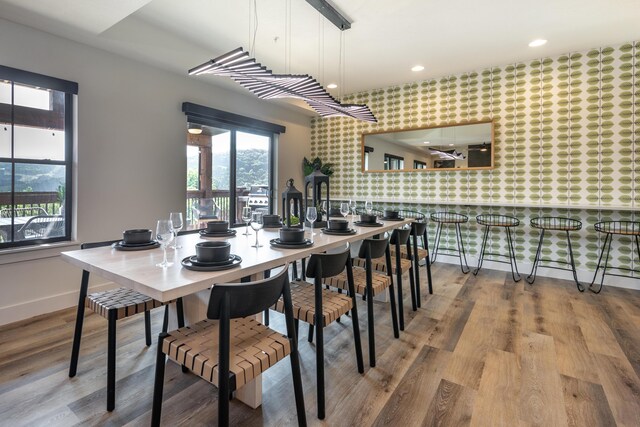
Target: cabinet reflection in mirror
point(466, 145)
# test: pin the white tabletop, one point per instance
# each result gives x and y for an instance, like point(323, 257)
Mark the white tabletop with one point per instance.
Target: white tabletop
point(137, 269)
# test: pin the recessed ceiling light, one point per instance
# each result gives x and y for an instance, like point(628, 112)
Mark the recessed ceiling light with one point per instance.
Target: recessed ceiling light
point(537, 43)
point(332, 86)
point(417, 68)
point(427, 142)
point(450, 145)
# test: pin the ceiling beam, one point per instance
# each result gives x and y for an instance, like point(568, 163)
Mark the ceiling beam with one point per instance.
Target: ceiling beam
point(331, 14)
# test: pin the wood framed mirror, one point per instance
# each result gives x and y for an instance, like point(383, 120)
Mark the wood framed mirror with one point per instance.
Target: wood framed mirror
point(457, 146)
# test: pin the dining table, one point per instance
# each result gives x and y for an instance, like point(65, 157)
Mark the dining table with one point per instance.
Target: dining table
point(137, 270)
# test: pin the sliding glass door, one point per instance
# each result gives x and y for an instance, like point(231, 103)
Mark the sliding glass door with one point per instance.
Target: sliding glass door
point(228, 168)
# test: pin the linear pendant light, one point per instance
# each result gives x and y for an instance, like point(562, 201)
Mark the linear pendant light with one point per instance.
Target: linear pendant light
point(255, 77)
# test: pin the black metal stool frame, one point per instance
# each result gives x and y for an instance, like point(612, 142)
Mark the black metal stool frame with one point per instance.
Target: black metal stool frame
point(549, 222)
point(607, 245)
point(512, 253)
point(459, 252)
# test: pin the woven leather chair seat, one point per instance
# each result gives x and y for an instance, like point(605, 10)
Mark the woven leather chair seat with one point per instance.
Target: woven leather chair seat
point(126, 302)
point(380, 281)
point(334, 304)
point(254, 348)
point(422, 253)
point(380, 264)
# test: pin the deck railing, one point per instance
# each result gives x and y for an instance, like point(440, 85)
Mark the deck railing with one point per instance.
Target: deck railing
point(222, 198)
point(35, 201)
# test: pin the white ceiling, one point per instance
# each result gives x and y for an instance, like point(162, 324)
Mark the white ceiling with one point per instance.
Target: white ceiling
point(386, 39)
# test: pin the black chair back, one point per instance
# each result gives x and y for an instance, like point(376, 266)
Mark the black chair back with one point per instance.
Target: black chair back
point(400, 235)
point(419, 227)
point(246, 299)
point(92, 245)
point(376, 248)
point(328, 265)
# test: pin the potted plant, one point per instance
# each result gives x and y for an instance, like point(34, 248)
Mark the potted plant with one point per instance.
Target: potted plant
point(309, 166)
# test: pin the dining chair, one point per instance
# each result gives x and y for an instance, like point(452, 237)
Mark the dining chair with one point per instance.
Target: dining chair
point(418, 232)
point(320, 307)
point(370, 283)
point(113, 305)
point(230, 348)
point(399, 265)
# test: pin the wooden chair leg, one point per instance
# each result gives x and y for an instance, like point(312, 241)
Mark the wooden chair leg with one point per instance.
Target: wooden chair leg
point(165, 319)
point(412, 289)
point(77, 335)
point(147, 327)
point(111, 361)
point(180, 315)
point(354, 315)
point(319, 347)
point(158, 384)
point(400, 299)
point(372, 334)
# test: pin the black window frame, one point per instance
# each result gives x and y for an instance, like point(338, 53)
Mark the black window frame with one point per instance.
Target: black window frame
point(417, 164)
point(389, 158)
point(70, 90)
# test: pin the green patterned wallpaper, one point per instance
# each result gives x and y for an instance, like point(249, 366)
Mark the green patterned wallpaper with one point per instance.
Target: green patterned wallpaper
point(567, 134)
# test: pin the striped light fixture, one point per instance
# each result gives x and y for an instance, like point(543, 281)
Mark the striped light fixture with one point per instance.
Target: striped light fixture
point(252, 75)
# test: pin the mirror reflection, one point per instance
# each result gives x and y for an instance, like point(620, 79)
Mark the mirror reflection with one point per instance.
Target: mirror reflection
point(458, 146)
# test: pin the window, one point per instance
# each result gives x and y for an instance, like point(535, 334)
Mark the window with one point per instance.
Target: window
point(36, 154)
point(417, 164)
point(229, 165)
point(392, 162)
point(367, 152)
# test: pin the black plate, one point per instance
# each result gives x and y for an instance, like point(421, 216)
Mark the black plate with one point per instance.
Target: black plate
point(194, 260)
point(135, 247)
point(392, 219)
point(277, 244)
point(347, 232)
point(186, 263)
point(228, 233)
point(368, 224)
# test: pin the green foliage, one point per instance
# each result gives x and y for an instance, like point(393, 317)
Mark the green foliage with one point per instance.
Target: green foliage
point(192, 179)
point(61, 193)
point(309, 166)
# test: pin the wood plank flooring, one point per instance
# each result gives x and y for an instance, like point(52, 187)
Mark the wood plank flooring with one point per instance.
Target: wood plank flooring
point(481, 351)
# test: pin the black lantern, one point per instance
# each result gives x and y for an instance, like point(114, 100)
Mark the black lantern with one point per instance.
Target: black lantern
point(315, 180)
point(292, 204)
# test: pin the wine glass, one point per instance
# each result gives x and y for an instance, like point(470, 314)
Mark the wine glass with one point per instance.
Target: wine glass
point(344, 209)
point(312, 215)
point(176, 225)
point(352, 205)
point(368, 206)
point(164, 235)
point(246, 217)
point(256, 225)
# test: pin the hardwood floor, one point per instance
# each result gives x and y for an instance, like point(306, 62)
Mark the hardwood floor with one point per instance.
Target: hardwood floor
point(481, 351)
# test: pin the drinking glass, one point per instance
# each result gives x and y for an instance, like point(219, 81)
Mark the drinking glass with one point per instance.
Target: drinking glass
point(312, 215)
point(164, 235)
point(176, 225)
point(352, 205)
point(256, 225)
point(246, 217)
point(368, 206)
point(344, 209)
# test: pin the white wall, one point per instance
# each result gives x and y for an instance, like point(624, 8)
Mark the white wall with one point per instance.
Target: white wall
point(131, 151)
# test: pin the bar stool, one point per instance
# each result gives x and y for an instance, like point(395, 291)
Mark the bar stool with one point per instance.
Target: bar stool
point(502, 221)
point(610, 228)
point(456, 219)
point(548, 223)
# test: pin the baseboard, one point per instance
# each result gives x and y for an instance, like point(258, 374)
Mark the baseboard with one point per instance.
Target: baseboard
point(48, 304)
point(584, 276)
